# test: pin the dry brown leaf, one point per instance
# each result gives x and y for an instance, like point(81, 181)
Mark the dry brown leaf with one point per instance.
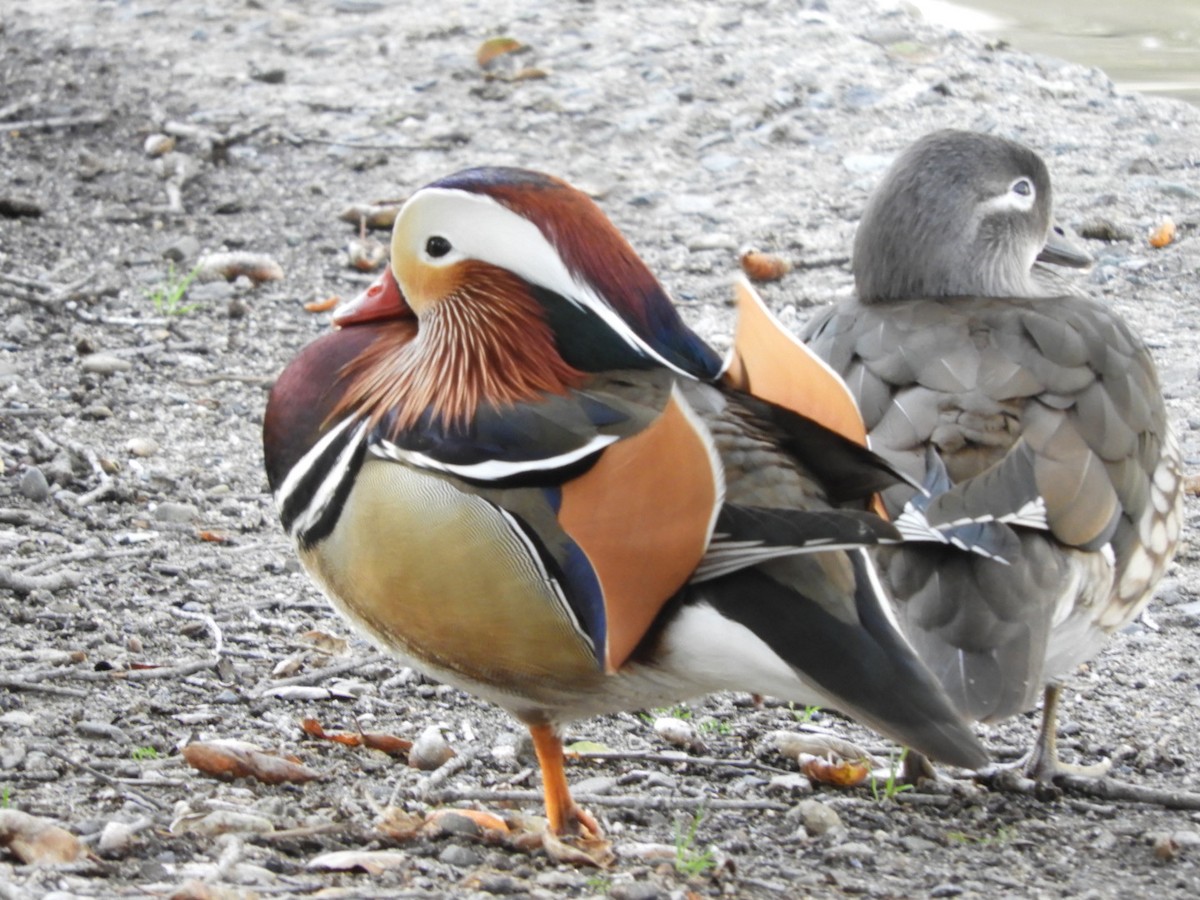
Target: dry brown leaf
point(579, 852)
point(228, 760)
point(386, 743)
point(760, 266)
point(366, 254)
point(35, 841)
point(195, 889)
point(840, 773)
point(373, 862)
point(487, 822)
point(376, 216)
point(320, 306)
point(793, 744)
point(496, 47)
point(213, 537)
point(325, 642)
point(231, 266)
point(1163, 234)
point(399, 824)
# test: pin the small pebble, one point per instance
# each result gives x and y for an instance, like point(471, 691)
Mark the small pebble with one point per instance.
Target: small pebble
point(430, 751)
point(33, 485)
point(115, 838)
point(636, 890)
point(142, 446)
point(818, 819)
point(158, 145)
point(455, 855)
point(170, 511)
point(105, 364)
point(96, 412)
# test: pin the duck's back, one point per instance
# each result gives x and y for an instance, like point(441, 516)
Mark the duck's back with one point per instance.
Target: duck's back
point(1038, 409)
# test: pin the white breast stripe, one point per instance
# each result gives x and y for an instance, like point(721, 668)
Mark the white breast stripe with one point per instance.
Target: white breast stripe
point(300, 469)
point(492, 469)
point(338, 472)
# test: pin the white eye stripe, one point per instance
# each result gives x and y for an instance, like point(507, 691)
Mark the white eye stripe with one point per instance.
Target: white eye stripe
point(1020, 196)
point(479, 227)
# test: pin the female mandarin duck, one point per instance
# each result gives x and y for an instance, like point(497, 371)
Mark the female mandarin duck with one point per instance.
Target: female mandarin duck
point(512, 467)
point(1007, 399)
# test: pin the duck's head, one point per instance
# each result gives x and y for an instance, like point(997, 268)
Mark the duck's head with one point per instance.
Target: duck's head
point(510, 237)
point(959, 214)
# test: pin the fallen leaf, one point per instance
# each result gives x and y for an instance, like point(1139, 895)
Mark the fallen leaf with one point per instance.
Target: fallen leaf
point(229, 760)
point(496, 47)
point(487, 822)
point(373, 862)
point(588, 747)
point(325, 642)
point(579, 852)
point(760, 266)
point(793, 744)
point(35, 841)
point(231, 266)
point(320, 306)
point(1163, 234)
point(399, 824)
point(195, 889)
point(838, 772)
point(213, 537)
point(366, 254)
point(386, 743)
point(376, 216)
point(221, 821)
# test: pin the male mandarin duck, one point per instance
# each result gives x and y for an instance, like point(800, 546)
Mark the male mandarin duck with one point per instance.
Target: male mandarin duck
point(515, 467)
point(1005, 398)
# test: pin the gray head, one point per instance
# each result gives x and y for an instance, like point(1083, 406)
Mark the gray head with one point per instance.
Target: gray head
point(958, 214)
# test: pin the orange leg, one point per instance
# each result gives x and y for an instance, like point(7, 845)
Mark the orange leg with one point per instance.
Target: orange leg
point(565, 817)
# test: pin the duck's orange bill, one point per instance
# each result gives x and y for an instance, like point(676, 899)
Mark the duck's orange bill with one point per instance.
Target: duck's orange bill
point(382, 300)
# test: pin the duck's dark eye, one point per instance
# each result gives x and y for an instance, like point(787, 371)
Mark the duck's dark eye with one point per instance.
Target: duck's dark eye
point(437, 246)
point(1022, 187)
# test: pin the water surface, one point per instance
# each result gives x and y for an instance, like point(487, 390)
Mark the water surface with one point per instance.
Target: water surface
point(1152, 47)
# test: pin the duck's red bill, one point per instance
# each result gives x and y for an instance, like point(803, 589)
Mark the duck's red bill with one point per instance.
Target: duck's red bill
point(382, 300)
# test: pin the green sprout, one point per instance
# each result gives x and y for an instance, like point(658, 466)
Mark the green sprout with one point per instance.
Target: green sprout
point(146, 752)
point(167, 296)
point(689, 860)
point(892, 785)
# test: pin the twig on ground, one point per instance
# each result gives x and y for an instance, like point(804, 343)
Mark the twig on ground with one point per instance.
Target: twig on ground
point(1108, 789)
point(661, 804)
point(179, 671)
point(321, 674)
point(213, 627)
point(1013, 781)
point(91, 553)
point(675, 759)
point(298, 139)
point(23, 583)
point(217, 379)
point(135, 796)
point(20, 684)
point(56, 122)
point(440, 776)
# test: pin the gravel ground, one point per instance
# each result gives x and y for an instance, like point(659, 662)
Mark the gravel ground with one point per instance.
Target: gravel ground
point(149, 598)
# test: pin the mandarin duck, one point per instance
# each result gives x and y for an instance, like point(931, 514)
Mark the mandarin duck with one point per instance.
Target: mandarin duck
point(517, 469)
point(1006, 398)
